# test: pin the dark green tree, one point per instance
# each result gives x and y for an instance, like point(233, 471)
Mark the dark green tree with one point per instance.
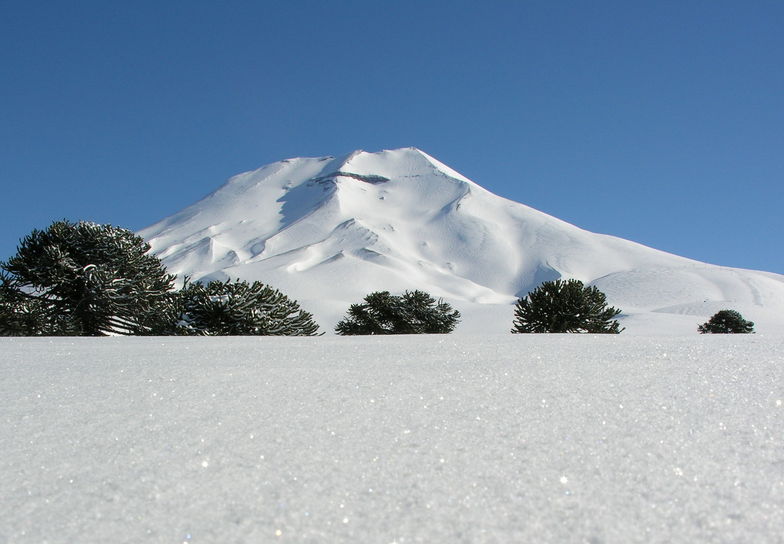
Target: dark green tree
point(91, 280)
point(727, 322)
point(413, 312)
point(565, 306)
point(239, 308)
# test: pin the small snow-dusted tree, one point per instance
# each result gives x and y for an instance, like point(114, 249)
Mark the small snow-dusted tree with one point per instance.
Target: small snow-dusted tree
point(413, 312)
point(239, 308)
point(89, 279)
point(565, 306)
point(727, 322)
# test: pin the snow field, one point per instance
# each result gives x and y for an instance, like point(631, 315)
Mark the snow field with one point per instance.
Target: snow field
point(505, 438)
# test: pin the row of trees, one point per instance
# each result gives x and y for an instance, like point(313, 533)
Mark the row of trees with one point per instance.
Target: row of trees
point(87, 279)
point(560, 306)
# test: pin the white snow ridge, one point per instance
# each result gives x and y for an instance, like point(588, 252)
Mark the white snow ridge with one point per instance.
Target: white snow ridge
point(327, 231)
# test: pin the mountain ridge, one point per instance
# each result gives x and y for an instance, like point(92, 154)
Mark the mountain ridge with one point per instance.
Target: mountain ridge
point(328, 230)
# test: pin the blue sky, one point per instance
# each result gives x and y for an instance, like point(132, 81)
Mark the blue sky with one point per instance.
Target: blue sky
point(661, 122)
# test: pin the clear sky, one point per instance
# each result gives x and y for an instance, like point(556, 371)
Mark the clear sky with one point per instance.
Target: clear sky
point(661, 122)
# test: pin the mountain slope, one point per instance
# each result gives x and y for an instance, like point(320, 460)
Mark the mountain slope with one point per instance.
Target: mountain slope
point(327, 231)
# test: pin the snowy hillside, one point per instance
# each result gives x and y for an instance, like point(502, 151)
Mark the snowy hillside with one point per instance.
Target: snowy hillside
point(428, 439)
point(327, 231)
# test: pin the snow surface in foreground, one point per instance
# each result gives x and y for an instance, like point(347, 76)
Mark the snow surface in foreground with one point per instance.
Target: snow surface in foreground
point(541, 438)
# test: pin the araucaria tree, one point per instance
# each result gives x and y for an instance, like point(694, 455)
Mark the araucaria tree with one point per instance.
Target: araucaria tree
point(239, 308)
point(565, 306)
point(413, 312)
point(88, 279)
point(727, 321)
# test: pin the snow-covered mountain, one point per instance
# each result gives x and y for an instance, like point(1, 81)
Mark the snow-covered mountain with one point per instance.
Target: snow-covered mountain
point(327, 231)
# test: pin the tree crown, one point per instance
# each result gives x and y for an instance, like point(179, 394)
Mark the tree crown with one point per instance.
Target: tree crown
point(565, 306)
point(99, 278)
point(726, 322)
point(413, 312)
point(234, 308)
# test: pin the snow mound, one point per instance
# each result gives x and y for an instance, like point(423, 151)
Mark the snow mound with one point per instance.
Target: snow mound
point(327, 231)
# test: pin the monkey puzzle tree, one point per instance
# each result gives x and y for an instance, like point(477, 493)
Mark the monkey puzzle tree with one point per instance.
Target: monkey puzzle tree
point(727, 322)
point(565, 306)
point(413, 312)
point(89, 279)
point(239, 308)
